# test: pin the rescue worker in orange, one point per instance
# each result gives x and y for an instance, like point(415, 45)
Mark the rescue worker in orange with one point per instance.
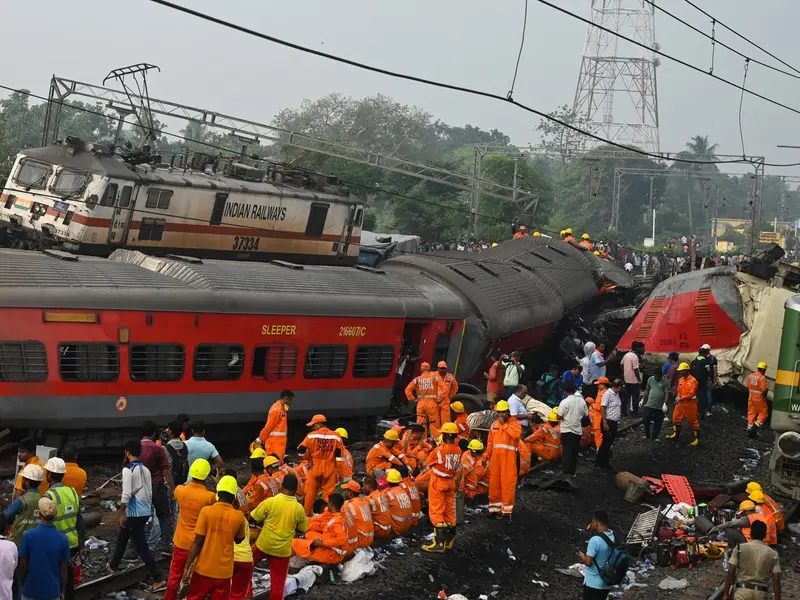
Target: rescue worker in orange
point(524, 459)
point(596, 410)
point(413, 493)
point(686, 404)
point(399, 503)
point(273, 435)
point(322, 446)
point(472, 468)
point(415, 447)
point(766, 504)
point(586, 242)
point(568, 237)
point(426, 388)
point(521, 232)
point(262, 487)
point(379, 507)
point(357, 507)
point(757, 411)
point(384, 455)
point(448, 387)
point(545, 442)
point(329, 547)
point(459, 416)
point(737, 530)
point(344, 464)
point(501, 456)
point(445, 466)
point(279, 471)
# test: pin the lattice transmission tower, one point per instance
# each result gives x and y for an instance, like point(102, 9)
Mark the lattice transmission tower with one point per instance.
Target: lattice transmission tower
point(617, 96)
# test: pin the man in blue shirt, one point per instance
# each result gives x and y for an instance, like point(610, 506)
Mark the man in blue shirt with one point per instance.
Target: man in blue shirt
point(575, 375)
point(44, 557)
point(596, 557)
point(672, 359)
point(198, 446)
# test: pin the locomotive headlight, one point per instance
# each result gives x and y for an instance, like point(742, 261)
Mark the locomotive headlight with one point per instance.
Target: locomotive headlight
point(789, 444)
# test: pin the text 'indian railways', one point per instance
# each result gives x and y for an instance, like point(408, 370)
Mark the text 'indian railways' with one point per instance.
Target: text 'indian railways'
point(238, 210)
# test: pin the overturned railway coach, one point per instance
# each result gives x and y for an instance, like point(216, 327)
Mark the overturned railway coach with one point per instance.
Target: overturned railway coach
point(79, 198)
point(94, 343)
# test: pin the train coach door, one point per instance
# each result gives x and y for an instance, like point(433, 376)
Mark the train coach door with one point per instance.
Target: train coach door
point(354, 216)
point(121, 213)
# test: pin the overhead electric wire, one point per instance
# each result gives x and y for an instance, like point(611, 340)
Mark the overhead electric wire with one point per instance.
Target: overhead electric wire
point(739, 35)
point(716, 41)
point(484, 94)
point(519, 54)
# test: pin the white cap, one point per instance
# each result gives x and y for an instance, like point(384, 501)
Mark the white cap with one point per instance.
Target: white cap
point(56, 465)
point(705, 347)
point(32, 472)
point(47, 508)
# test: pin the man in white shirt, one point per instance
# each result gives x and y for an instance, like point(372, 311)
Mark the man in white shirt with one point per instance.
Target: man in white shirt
point(633, 378)
point(611, 412)
point(8, 562)
point(517, 407)
point(514, 371)
point(571, 411)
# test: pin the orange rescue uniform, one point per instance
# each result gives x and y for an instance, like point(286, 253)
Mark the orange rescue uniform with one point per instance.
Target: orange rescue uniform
point(426, 389)
point(282, 472)
point(501, 453)
point(262, 488)
point(448, 387)
point(344, 465)
point(686, 403)
point(769, 521)
point(400, 509)
point(381, 457)
point(757, 411)
point(381, 519)
point(469, 480)
point(463, 427)
point(524, 459)
point(545, 442)
point(444, 464)
point(416, 451)
point(322, 447)
point(586, 244)
point(358, 509)
point(416, 502)
point(595, 411)
point(334, 542)
point(273, 435)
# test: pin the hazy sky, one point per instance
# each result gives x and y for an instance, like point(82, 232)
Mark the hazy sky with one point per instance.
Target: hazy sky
point(468, 42)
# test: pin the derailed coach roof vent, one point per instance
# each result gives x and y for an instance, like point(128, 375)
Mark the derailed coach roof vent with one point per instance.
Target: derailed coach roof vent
point(286, 265)
point(530, 268)
point(487, 269)
point(542, 256)
point(367, 269)
point(61, 255)
point(192, 260)
point(556, 250)
point(464, 275)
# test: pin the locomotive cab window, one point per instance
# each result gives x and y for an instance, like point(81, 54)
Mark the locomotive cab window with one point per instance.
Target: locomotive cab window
point(218, 362)
point(110, 196)
point(32, 174)
point(326, 362)
point(275, 362)
point(158, 199)
point(316, 219)
point(157, 362)
point(23, 361)
point(70, 183)
point(88, 361)
point(373, 361)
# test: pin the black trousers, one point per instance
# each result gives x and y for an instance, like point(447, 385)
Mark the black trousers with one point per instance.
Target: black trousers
point(654, 417)
point(594, 593)
point(630, 398)
point(161, 505)
point(570, 447)
point(134, 530)
point(604, 452)
point(69, 589)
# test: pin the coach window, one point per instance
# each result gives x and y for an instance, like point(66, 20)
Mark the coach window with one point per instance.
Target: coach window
point(157, 362)
point(125, 197)
point(373, 361)
point(316, 219)
point(218, 362)
point(275, 362)
point(85, 361)
point(326, 362)
point(23, 361)
point(158, 199)
point(359, 218)
point(110, 197)
point(151, 230)
point(32, 174)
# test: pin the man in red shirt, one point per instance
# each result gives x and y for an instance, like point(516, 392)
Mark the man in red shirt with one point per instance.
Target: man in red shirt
point(156, 459)
point(494, 379)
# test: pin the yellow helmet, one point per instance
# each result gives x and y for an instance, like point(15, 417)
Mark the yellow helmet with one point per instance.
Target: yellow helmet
point(342, 432)
point(585, 236)
point(553, 416)
point(494, 244)
point(684, 367)
point(753, 486)
point(762, 365)
point(200, 469)
point(450, 429)
point(537, 234)
point(457, 407)
point(475, 445)
point(393, 476)
point(271, 461)
point(757, 496)
point(568, 231)
point(597, 253)
point(502, 406)
point(439, 440)
point(391, 435)
point(258, 453)
point(563, 232)
point(228, 484)
point(747, 505)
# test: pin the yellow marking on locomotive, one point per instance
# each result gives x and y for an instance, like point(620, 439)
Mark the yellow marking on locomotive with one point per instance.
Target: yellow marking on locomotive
point(790, 378)
point(50, 317)
point(355, 331)
point(278, 330)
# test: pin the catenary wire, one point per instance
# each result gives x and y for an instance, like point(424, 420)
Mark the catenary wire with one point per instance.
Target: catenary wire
point(741, 102)
point(474, 92)
point(519, 55)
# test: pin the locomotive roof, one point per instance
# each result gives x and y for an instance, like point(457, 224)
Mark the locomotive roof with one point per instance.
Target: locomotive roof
point(109, 166)
point(134, 281)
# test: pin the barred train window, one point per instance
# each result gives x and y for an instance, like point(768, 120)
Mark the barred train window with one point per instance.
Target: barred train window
point(158, 199)
point(70, 183)
point(88, 361)
point(373, 361)
point(157, 362)
point(218, 362)
point(275, 362)
point(32, 174)
point(326, 362)
point(23, 361)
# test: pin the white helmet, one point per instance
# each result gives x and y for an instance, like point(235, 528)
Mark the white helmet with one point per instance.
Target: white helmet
point(56, 465)
point(32, 472)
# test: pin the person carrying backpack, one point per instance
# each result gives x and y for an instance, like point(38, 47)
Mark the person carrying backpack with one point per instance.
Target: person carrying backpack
point(549, 387)
point(606, 563)
point(178, 460)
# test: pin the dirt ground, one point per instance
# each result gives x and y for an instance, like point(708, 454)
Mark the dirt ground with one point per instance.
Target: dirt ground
point(548, 527)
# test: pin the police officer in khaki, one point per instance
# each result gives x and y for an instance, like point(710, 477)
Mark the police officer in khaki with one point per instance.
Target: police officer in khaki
point(752, 566)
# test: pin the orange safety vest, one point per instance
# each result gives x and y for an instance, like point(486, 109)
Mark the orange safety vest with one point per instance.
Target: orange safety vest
point(776, 511)
point(756, 386)
point(772, 530)
point(359, 511)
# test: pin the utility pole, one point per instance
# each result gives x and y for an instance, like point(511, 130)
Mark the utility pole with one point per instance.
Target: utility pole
point(651, 203)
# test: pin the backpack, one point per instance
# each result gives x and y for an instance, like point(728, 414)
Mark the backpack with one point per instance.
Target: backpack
point(700, 369)
point(546, 389)
point(617, 565)
point(179, 462)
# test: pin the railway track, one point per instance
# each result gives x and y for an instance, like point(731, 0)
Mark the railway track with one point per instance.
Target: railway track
point(118, 581)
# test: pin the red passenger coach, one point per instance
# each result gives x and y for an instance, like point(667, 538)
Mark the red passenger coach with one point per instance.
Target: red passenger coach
point(91, 343)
